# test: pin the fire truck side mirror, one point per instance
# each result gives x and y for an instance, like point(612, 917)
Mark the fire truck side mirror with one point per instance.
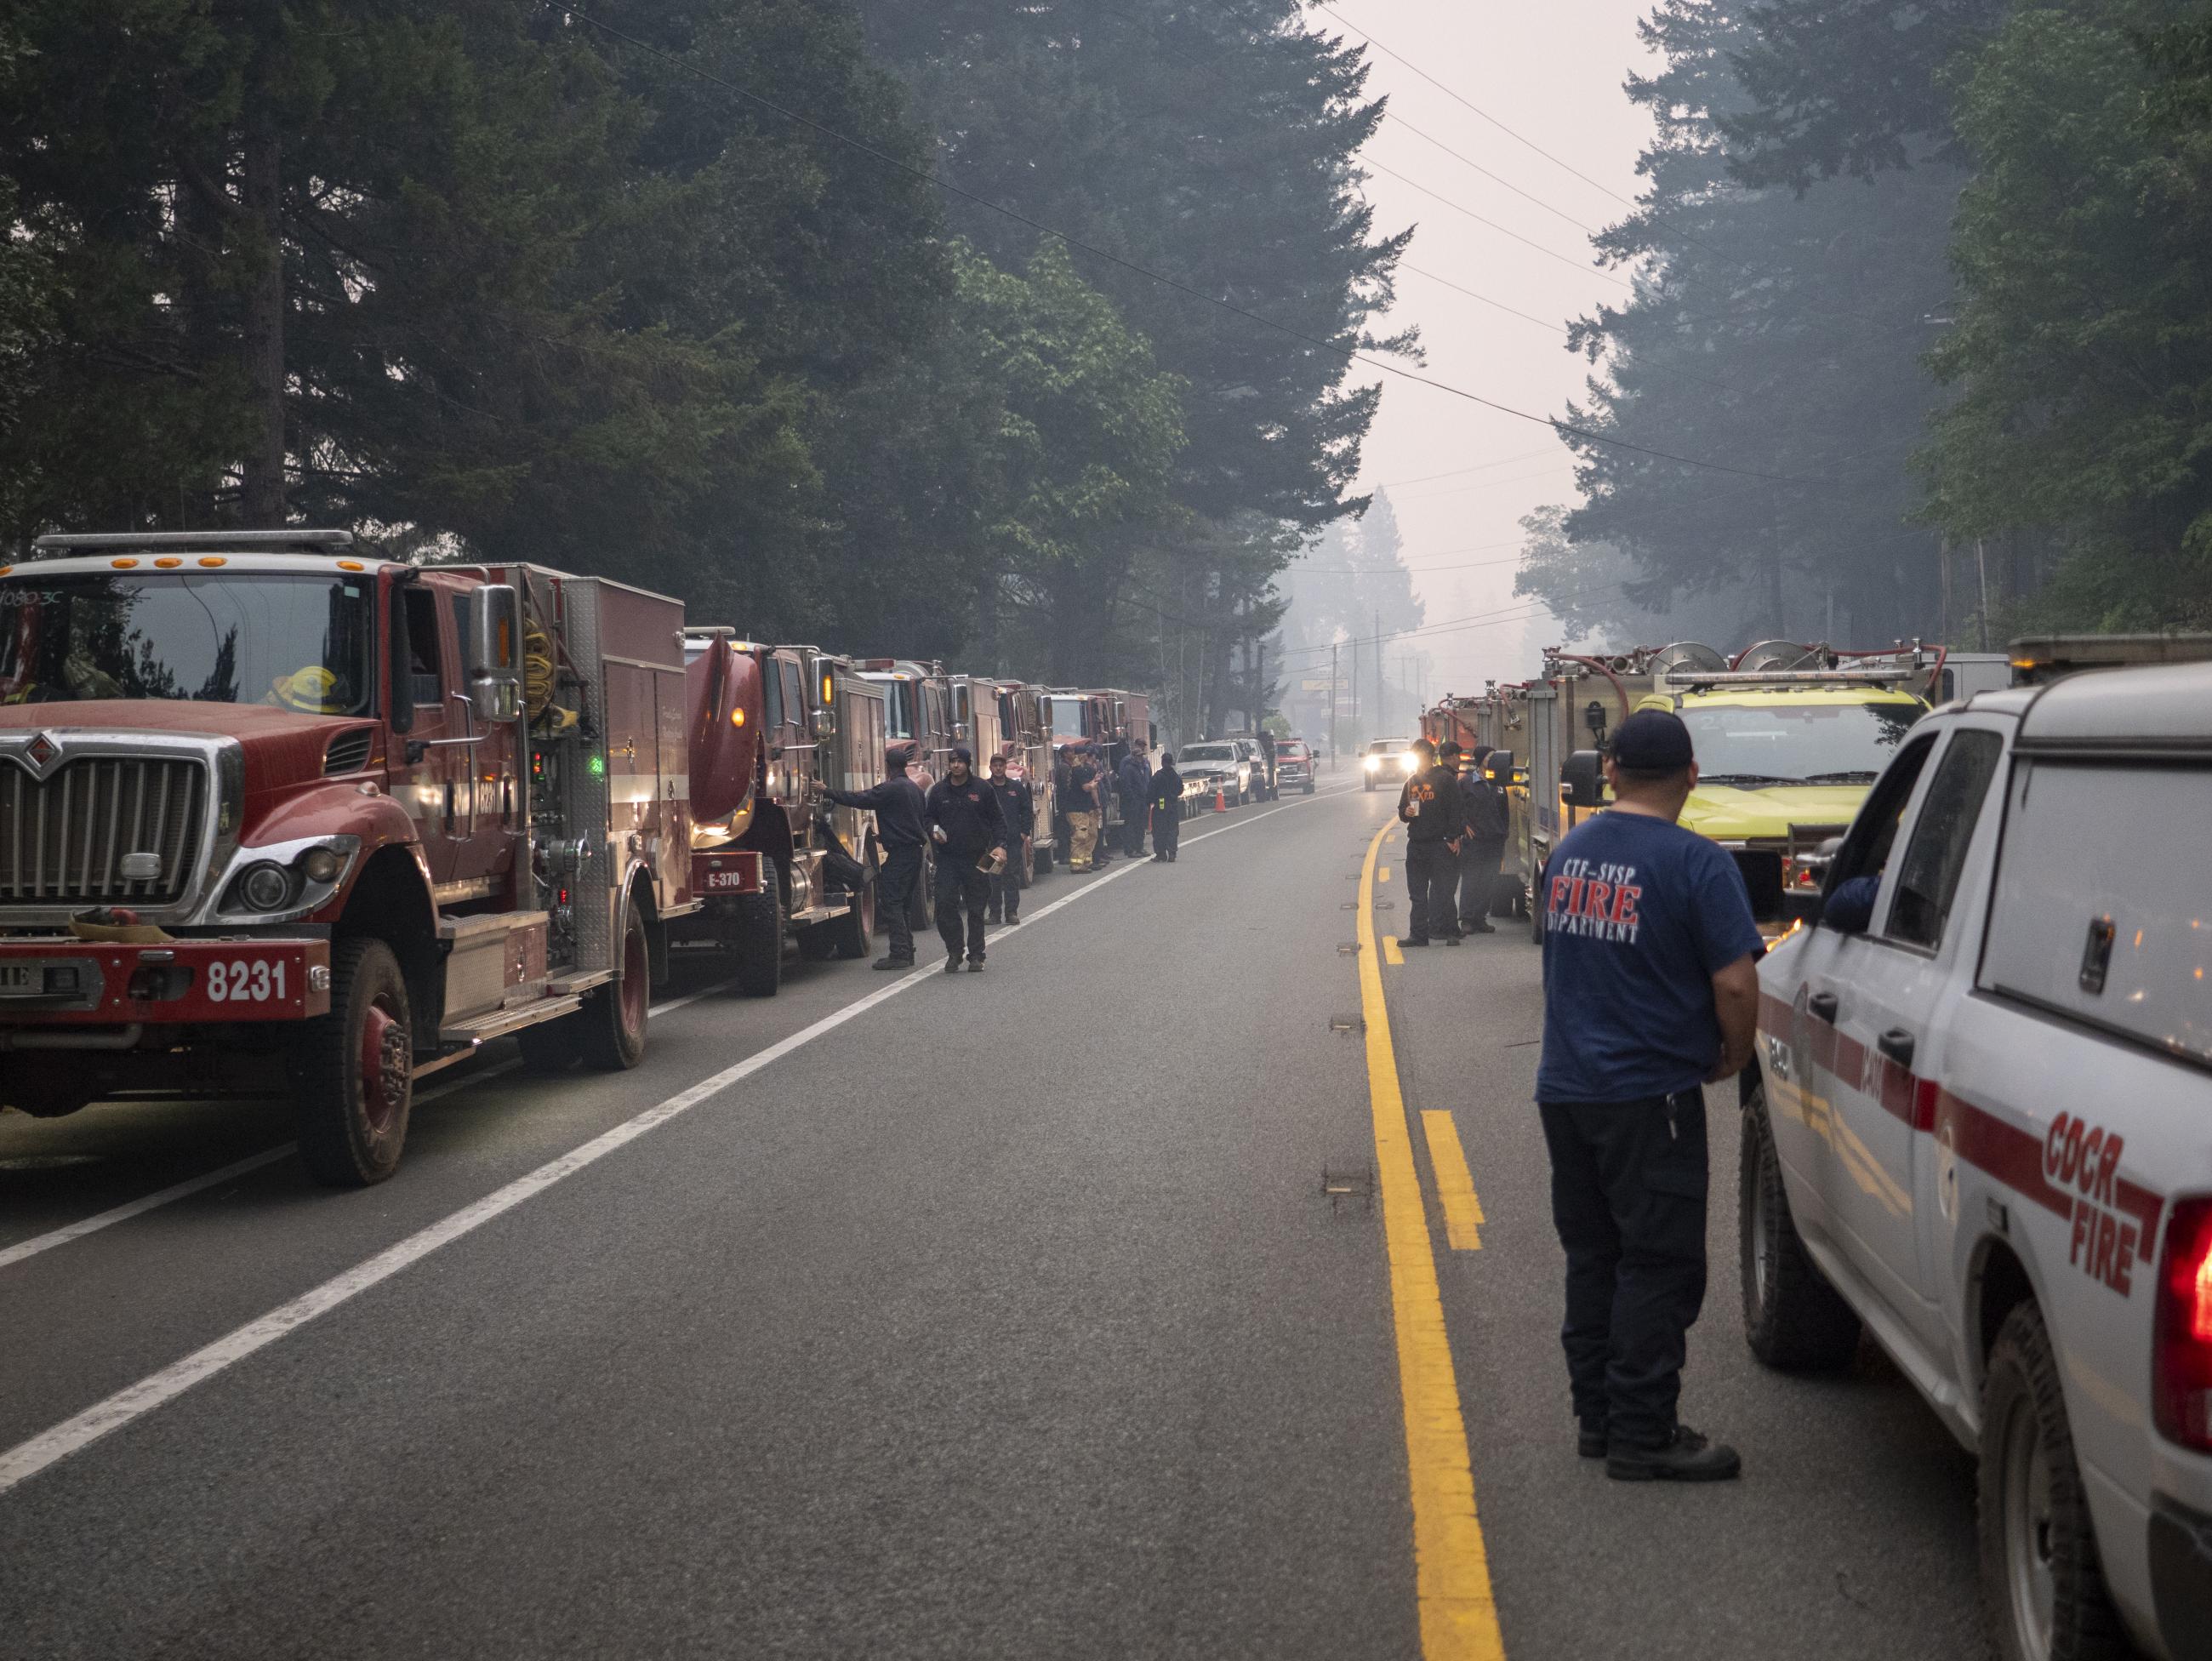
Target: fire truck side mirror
point(494, 651)
point(1582, 781)
point(824, 717)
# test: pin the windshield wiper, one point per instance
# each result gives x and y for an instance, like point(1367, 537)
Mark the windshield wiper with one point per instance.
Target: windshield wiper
point(1744, 778)
point(1858, 775)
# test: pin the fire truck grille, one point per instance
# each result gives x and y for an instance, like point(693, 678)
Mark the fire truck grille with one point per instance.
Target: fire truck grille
point(101, 828)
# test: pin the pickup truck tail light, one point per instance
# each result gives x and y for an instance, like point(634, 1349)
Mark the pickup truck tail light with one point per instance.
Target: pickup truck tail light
point(2182, 1353)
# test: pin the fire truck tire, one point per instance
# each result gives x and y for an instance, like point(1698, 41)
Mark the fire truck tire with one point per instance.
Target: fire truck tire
point(552, 1047)
point(922, 914)
point(756, 935)
point(612, 1019)
point(44, 1087)
point(848, 934)
point(353, 1069)
point(1793, 1319)
point(1043, 860)
point(2043, 1584)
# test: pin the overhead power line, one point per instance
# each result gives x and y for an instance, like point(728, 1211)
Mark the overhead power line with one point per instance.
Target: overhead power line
point(1581, 265)
point(1350, 355)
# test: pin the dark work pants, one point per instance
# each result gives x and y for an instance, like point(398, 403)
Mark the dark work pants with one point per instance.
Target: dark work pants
point(1167, 829)
point(1133, 827)
point(1628, 1198)
point(1006, 891)
point(1479, 860)
point(895, 886)
point(961, 888)
point(1431, 874)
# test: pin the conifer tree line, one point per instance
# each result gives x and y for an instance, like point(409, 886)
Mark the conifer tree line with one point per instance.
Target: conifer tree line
point(1941, 275)
point(672, 292)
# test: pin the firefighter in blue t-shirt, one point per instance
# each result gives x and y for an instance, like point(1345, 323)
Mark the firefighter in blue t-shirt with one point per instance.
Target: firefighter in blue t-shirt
point(1651, 991)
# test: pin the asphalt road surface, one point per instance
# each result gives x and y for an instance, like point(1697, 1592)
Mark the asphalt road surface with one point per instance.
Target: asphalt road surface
point(997, 1315)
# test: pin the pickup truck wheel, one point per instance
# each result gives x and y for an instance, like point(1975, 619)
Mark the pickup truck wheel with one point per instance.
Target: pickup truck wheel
point(2043, 1585)
point(1793, 1319)
point(355, 1070)
point(756, 935)
point(612, 1019)
point(1309, 789)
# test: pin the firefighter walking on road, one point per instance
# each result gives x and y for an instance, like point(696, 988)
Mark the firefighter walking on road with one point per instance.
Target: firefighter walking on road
point(962, 814)
point(897, 805)
point(1435, 820)
point(1018, 807)
point(1650, 992)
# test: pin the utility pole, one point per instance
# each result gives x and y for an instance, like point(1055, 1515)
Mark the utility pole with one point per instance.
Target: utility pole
point(1381, 697)
point(1334, 685)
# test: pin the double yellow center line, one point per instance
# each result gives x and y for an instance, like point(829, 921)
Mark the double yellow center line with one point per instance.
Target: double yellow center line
point(1458, 1613)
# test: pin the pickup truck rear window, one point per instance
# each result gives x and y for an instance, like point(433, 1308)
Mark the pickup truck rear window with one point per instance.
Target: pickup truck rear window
point(2103, 908)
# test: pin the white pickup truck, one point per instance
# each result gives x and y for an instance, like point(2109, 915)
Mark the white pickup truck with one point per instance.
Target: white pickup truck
point(1979, 1128)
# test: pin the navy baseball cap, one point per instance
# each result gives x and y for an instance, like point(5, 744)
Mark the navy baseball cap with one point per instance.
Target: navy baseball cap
point(960, 753)
point(1653, 741)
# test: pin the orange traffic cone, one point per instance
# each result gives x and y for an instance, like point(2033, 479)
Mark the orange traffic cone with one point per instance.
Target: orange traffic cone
point(1220, 801)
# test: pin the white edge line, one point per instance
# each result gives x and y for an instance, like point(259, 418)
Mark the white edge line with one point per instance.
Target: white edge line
point(27, 1458)
point(138, 1207)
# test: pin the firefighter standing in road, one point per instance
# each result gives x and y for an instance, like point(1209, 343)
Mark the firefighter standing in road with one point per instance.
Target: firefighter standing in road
point(1018, 807)
point(1132, 782)
point(1484, 849)
point(1435, 820)
point(1166, 794)
point(897, 805)
point(1651, 991)
point(1080, 800)
point(964, 822)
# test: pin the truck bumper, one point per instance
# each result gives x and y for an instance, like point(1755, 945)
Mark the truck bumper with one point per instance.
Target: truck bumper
point(58, 981)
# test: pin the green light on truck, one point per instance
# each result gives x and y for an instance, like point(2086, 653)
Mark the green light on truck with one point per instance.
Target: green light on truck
point(599, 767)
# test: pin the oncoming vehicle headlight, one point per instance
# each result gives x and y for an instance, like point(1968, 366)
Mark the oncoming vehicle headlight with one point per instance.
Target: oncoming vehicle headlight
point(320, 865)
point(1373, 763)
point(1406, 760)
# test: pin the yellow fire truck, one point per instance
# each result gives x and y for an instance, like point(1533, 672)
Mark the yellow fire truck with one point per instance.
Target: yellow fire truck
point(1788, 739)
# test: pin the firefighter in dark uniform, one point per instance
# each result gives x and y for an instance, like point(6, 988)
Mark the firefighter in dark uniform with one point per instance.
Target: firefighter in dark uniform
point(1484, 850)
point(897, 804)
point(961, 811)
point(1018, 807)
point(1435, 820)
point(1651, 991)
point(1166, 792)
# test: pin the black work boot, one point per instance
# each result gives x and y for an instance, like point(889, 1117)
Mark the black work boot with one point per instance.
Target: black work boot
point(1414, 940)
point(893, 963)
point(1012, 919)
point(1689, 1457)
point(975, 966)
point(952, 964)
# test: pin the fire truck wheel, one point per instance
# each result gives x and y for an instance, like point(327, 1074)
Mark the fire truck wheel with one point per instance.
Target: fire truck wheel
point(46, 1086)
point(1792, 1317)
point(355, 1069)
point(552, 1047)
point(922, 914)
point(756, 935)
point(1043, 860)
point(848, 934)
point(612, 1019)
point(2043, 1585)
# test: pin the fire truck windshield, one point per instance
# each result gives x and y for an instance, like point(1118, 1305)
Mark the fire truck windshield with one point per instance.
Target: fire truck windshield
point(1796, 743)
point(297, 642)
point(1070, 718)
